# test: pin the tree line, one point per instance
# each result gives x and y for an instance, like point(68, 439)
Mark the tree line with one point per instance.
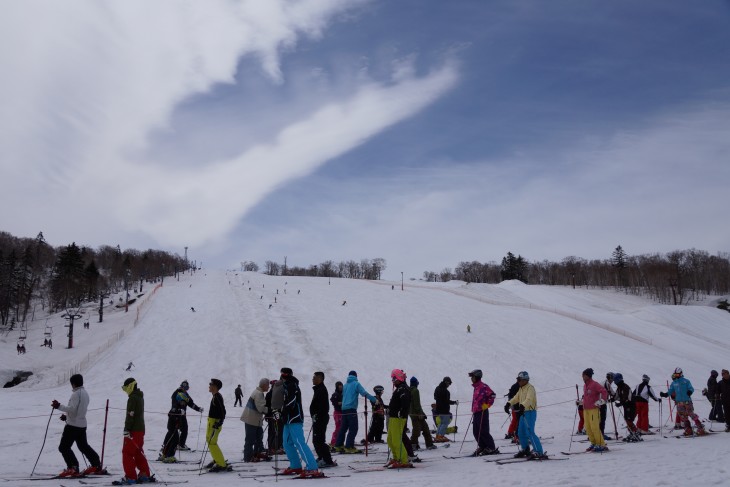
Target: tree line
point(32, 271)
point(364, 269)
point(671, 278)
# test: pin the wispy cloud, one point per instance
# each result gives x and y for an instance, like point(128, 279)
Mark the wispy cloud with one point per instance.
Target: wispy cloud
point(86, 86)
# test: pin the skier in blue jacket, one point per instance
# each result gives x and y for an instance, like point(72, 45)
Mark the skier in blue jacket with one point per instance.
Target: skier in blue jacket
point(349, 425)
point(682, 390)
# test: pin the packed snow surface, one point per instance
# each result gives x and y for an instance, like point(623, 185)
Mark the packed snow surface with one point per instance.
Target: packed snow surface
point(247, 326)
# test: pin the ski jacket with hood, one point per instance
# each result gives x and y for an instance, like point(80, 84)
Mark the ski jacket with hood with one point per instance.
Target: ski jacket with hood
point(527, 396)
point(442, 396)
point(181, 398)
point(400, 402)
point(291, 411)
point(643, 392)
point(682, 388)
point(624, 396)
point(135, 412)
point(350, 392)
point(483, 394)
point(78, 403)
point(255, 408)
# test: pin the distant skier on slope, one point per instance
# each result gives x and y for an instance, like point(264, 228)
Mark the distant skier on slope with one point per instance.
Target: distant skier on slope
point(129, 366)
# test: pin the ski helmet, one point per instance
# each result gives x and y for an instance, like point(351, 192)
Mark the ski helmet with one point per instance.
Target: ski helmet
point(618, 377)
point(184, 385)
point(523, 376)
point(678, 371)
point(645, 378)
point(609, 375)
point(378, 389)
point(398, 374)
point(476, 373)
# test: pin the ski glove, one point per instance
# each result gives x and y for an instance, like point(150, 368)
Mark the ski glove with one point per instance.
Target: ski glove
point(689, 393)
point(519, 408)
point(277, 415)
point(600, 402)
point(200, 410)
point(664, 394)
point(506, 408)
point(55, 404)
point(127, 434)
point(485, 406)
point(62, 417)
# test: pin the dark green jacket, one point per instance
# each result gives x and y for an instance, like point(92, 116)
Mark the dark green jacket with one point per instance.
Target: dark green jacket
point(416, 409)
point(135, 412)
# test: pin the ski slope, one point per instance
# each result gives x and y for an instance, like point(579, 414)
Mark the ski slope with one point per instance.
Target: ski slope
point(239, 334)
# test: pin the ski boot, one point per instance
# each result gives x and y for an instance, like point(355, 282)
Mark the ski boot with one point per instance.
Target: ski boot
point(292, 471)
point(311, 474)
point(523, 453)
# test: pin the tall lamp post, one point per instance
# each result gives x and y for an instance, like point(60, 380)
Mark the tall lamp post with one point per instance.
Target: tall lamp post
point(401, 280)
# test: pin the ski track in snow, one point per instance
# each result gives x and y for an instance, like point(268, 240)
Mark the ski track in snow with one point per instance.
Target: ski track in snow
point(233, 335)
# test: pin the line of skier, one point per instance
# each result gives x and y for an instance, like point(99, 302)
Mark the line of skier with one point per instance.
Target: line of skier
point(279, 402)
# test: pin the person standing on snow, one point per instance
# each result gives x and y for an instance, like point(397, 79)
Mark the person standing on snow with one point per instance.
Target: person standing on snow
point(723, 389)
point(418, 419)
point(642, 393)
point(239, 395)
point(442, 396)
point(319, 410)
point(400, 403)
point(253, 419)
point(625, 399)
point(133, 458)
point(603, 409)
point(216, 416)
point(336, 400)
point(295, 445)
point(348, 429)
point(274, 403)
point(711, 394)
point(682, 388)
point(75, 430)
point(514, 422)
point(482, 400)
point(524, 405)
point(377, 423)
point(594, 396)
point(180, 397)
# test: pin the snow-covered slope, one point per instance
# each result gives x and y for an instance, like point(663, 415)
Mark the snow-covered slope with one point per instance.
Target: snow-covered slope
point(247, 326)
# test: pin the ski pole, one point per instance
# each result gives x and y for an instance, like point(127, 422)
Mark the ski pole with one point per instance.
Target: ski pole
point(466, 433)
point(661, 431)
point(103, 441)
point(456, 419)
point(575, 417)
point(44, 443)
point(365, 400)
point(205, 451)
point(615, 429)
point(200, 423)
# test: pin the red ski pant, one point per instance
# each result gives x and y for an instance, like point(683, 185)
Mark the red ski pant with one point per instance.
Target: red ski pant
point(513, 424)
point(642, 415)
point(581, 423)
point(133, 458)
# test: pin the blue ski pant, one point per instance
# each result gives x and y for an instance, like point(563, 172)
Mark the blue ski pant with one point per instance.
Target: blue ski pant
point(526, 431)
point(296, 447)
point(348, 428)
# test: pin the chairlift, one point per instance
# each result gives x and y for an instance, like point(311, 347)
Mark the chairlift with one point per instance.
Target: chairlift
point(21, 341)
point(49, 331)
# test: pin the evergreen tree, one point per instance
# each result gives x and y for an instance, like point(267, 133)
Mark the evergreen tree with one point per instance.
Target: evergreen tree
point(67, 281)
point(514, 268)
point(618, 261)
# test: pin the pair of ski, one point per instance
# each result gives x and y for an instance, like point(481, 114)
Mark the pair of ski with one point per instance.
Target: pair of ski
point(56, 477)
point(589, 451)
point(707, 433)
point(380, 468)
point(286, 477)
point(509, 461)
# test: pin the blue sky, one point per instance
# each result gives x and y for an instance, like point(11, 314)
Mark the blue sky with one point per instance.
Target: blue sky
point(422, 132)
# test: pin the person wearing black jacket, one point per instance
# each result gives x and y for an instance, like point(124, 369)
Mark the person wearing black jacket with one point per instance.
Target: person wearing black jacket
point(399, 407)
point(442, 396)
point(712, 396)
point(319, 410)
point(181, 398)
point(274, 401)
point(216, 416)
point(723, 389)
point(295, 445)
point(512, 430)
point(625, 399)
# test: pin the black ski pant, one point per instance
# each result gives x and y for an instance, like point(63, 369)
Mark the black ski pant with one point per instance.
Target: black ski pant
point(183, 426)
point(419, 424)
point(275, 437)
point(716, 413)
point(238, 401)
point(319, 438)
point(377, 425)
point(172, 438)
point(75, 434)
point(254, 442)
point(726, 407)
point(480, 429)
point(603, 410)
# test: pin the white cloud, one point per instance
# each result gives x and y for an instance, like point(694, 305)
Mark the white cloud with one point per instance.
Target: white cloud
point(85, 83)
